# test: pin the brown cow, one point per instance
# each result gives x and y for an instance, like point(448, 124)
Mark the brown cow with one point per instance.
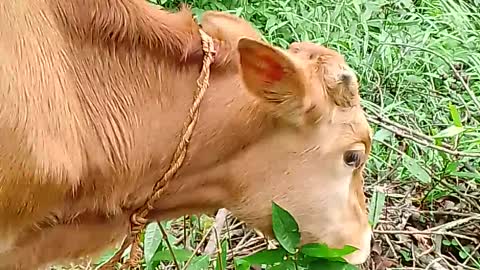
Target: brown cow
point(94, 94)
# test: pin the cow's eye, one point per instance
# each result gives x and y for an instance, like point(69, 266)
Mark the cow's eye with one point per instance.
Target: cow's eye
point(353, 158)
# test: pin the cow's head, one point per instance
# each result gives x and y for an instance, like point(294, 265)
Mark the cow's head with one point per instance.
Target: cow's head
point(312, 160)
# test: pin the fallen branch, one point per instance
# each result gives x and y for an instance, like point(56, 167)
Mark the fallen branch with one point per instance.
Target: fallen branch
point(449, 213)
point(455, 223)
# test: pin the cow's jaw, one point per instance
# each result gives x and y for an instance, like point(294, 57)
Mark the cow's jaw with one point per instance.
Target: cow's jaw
point(361, 255)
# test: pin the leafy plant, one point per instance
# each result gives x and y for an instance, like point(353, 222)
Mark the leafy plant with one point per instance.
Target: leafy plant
point(292, 256)
point(376, 205)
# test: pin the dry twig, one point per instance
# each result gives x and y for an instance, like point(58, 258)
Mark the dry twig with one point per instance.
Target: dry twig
point(197, 249)
point(220, 219)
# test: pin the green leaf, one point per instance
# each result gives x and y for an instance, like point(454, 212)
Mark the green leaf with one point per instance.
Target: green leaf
point(376, 207)
point(382, 134)
point(463, 254)
point(222, 258)
point(457, 121)
point(449, 132)
point(304, 260)
point(105, 257)
point(323, 251)
point(268, 257)
point(152, 265)
point(181, 255)
point(199, 263)
point(287, 265)
point(416, 170)
point(241, 264)
point(406, 255)
point(414, 79)
point(153, 238)
point(198, 13)
point(271, 22)
point(451, 167)
point(285, 228)
point(276, 26)
point(474, 176)
point(330, 265)
point(238, 11)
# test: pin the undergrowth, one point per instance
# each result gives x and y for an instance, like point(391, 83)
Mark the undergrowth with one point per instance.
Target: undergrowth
point(419, 67)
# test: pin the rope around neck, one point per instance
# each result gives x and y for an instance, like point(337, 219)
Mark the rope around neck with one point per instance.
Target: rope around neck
point(138, 219)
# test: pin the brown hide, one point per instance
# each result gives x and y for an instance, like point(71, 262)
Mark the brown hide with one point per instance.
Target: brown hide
point(94, 95)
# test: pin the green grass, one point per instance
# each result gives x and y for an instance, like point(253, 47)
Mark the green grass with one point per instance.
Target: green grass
point(405, 53)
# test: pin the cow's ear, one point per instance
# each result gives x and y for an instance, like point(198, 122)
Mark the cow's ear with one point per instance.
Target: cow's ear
point(227, 27)
point(273, 77)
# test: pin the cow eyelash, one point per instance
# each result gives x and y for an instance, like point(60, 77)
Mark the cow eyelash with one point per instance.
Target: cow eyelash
point(353, 158)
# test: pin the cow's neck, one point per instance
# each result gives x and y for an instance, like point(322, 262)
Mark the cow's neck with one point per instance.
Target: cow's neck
point(230, 121)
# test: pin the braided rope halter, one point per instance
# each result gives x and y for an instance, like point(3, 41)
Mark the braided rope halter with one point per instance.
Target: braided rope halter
point(138, 219)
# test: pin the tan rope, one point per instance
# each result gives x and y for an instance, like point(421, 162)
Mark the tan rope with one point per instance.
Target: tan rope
point(138, 218)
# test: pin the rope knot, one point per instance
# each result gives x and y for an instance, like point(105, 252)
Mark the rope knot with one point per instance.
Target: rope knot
point(137, 220)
